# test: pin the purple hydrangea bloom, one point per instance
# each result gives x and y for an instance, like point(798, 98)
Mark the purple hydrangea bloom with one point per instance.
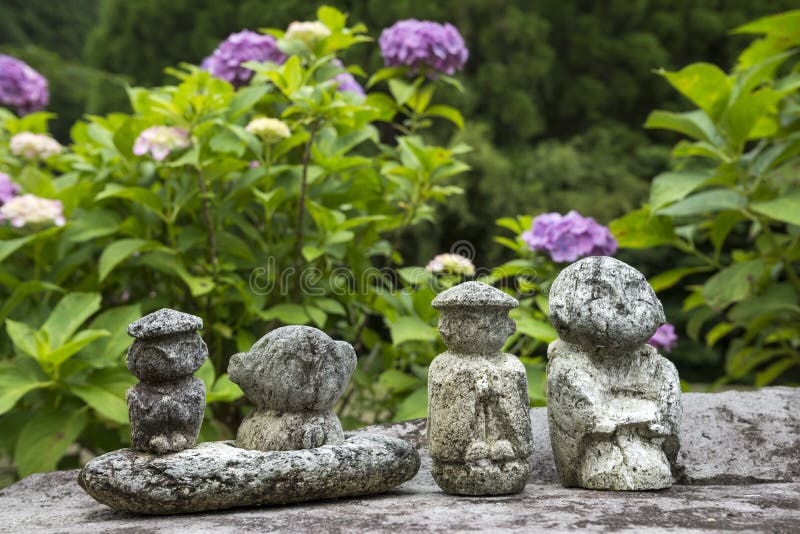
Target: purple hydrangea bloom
point(346, 82)
point(8, 189)
point(569, 237)
point(238, 48)
point(21, 87)
point(423, 45)
point(665, 338)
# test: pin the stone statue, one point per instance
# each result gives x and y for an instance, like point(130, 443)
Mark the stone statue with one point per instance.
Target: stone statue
point(613, 402)
point(290, 449)
point(166, 408)
point(479, 431)
point(294, 375)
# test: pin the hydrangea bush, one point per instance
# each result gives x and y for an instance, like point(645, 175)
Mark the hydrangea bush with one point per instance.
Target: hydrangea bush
point(256, 191)
point(21, 88)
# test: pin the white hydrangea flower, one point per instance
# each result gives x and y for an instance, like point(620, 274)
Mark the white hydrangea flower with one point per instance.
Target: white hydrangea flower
point(30, 209)
point(452, 264)
point(159, 141)
point(269, 128)
point(34, 146)
point(308, 32)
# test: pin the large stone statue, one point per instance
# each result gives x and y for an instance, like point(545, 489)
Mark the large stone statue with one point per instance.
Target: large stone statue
point(613, 402)
point(294, 375)
point(166, 408)
point(479, 431)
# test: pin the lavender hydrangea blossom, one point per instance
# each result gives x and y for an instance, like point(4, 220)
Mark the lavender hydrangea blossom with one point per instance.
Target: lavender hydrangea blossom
point(346, 82)
point(8, 189)
point(21, 87)
point(569, 237)
point(226, 61)
point(665, 338)
point(424, 46)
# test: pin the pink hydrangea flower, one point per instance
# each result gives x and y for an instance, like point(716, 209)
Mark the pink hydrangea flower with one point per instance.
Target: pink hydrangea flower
point(569, 237)
point(34, 146)
point(159, 141)
point(451, 264)
point(8, 189)
point(30, 209)
point(665, 338)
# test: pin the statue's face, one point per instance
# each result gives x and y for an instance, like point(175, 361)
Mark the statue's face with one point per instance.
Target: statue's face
point(475, 330)
point(601, 303)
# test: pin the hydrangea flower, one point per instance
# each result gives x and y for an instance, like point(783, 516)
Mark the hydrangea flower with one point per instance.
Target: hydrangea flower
point(34, 146)
point(451, 264)
point(269, 128)
point(569, 237)
point(30, 209)
point(345, 81)
point(8, 189)
point(226, 61)
point(423, 45)
point(309, 32)
point(21, 87)
point(160, 141)
point(665, 338)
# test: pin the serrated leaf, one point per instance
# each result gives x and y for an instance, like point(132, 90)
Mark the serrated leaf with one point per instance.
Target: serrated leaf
point(76, 343)
point(104, 402)
point(14, 384)
point(669, 278)
point(23, 337)
point(785, 208)
point(704, 84)
point(447, 112)
point(669, 187)
point(411, 329)
point(734, 283)
point(696, 124)
point(68, 315)
point(709, 201)
point(640, 229)
point(115, 253)
point(287, 313)
point(138, 195)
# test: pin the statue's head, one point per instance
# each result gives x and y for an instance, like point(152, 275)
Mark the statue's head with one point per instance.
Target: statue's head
point(474, 318)
point(600, 304)
point(294, 368)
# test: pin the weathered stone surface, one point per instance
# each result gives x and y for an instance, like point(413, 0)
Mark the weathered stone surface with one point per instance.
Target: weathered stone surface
point(294, 375)
point(728, 438)
point(166, 416)
point(613, 402)
point(164, 322)
point(166, 358)
point(219, 475)
point(478, 427)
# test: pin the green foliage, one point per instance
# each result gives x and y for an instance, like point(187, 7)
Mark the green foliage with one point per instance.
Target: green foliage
point(731, 203)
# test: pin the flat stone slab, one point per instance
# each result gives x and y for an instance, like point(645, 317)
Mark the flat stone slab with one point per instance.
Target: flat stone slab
point(751, 436)
point(218, 475)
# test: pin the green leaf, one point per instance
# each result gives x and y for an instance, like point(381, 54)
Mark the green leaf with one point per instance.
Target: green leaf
point(91, 225)
point(104, 402)
point(227, 142)
point(138, 195)
point(45, 438)
point(401, 90)
point(76, 343)
point(703, 202)
point(115, 320)
point(447, 112)
point(768, 375)
point(22, 291)
point(785, 208)
point(414, 275)
point(668, 187)
point(330, 306)
point(224, 391)
point(68, 315)
point(397, 381)
point(704, 84)
point(695, 124)
point(332, 18)
point(667, 279)
point(539, 330)
point(14, 384)
point(287, 313)
point(116, 252)
point(12, 245)
point(385, 74)
point(244, 100)
point(23, 337)
point(719, 331)
point(411, 329)
point(317, 315)
point(415, 406)
point(734, 283)
point(640, 229)
point(312, 253)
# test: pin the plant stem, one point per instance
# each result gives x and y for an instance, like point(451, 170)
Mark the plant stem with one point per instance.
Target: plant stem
point(302, 200)
point(212, 236)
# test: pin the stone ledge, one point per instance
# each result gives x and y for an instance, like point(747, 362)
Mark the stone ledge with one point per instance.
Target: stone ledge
point(729, 438)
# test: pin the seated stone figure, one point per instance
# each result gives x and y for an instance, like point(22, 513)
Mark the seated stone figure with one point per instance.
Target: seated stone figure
point(613, 402)
point(294, 375)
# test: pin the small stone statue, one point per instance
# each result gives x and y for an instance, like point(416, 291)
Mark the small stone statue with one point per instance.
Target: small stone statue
point(479, 431)
point(613, 402)
point(294, 375)
point(166, 407)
